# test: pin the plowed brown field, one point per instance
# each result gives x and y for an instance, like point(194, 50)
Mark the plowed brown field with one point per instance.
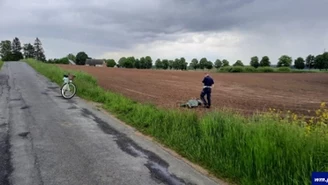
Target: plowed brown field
point(243, 92)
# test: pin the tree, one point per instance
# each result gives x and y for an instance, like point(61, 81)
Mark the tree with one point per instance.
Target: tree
point(319, 62)
point(225, 62)
point(217, 64)
point(202, 63)
point(165, 63)
point(285, 61)
point(142, 63)
point(81, 57)
point(209, 65)
point(299, 63)
point(194, 63)
point(265, 61)
point(158, 64)
point(5, 50)
point(16, 50)
point(137, 64)
point(28, 50)
point(255, 62)
point(238, 63)
point(310, 61)
point(149, 62)
point(129, 62)
point(325, 60)
point(171, 64)
point(38, 50)
point(121, 61)
point(183, 64)
point(175, 64)
point(110, 63)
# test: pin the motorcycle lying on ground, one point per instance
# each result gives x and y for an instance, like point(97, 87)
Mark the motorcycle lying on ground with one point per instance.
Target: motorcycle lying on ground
point(68, 86)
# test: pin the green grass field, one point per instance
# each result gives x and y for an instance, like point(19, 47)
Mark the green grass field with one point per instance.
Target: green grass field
point(257, 150)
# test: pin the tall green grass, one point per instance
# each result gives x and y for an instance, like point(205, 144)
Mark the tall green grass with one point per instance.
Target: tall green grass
point(1, 63)
point(256, 150)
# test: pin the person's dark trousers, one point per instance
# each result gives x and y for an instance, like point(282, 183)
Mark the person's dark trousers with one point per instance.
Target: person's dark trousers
point(207, 92)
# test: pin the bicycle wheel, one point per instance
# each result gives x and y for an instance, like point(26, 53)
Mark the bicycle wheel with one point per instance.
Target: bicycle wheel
point(68, 90)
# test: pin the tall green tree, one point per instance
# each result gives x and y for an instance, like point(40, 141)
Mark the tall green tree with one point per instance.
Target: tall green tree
point(176, 64)
point(225, 62)
point(16, 50)
point(194, 63)
point(218, 63)
point(171, 64)
point(6, 50)
point(81, 57)
point(319, 62)
point(149, 62)
point(129, 62)
point(158, 64)
point(265, 62)
point(28, 50)
point(183, 64)
point(38, 50)
point(255, 62)
point(285, 61)
point(121, 61)
point(310, 61)
point(325, 60)
point(299, 63)
point(202, 63)
point(209, 65)
point(238, 63)
point(142, 63)
point(137, 63)
point(165, 63)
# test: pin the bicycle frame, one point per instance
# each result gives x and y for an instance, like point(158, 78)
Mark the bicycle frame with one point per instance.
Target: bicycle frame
point(68, 80)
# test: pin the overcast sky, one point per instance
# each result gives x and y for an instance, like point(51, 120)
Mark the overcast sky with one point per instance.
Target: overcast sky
point(224, 29)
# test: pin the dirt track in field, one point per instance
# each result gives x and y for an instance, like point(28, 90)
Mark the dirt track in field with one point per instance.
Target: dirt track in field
point(245, 93)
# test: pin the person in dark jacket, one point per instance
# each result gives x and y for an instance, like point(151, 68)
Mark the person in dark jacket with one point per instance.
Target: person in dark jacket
point(207, 90)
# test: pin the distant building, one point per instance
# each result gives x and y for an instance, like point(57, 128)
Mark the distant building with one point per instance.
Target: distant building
point(95, 62)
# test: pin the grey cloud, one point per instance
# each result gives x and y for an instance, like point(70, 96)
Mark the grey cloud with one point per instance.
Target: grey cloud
point(122, 24)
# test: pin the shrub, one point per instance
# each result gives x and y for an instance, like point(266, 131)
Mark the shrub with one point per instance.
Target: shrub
point(110, 63)
point(237, 69)
point(250, 69)
point(226, 69)
point(265, 69)
point(284, 69)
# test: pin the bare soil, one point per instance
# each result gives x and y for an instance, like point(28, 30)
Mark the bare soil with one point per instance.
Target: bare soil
point(244, 92)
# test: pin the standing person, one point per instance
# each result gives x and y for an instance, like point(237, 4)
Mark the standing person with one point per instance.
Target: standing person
point(207, 90)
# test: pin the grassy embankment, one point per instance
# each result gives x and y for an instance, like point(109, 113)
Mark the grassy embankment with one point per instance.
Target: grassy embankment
point(259, 150)
point(1, 63)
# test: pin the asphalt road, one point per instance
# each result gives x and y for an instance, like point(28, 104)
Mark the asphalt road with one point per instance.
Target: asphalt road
point(45, 139)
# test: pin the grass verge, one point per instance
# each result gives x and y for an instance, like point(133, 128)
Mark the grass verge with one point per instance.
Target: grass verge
point(1, 63)
point(262, 149)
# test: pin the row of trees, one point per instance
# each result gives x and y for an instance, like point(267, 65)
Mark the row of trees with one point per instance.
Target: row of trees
point(311, 62)
point(79, 59)
point(12, 51)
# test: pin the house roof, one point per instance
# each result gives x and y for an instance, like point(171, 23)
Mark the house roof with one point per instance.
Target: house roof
point(94, 61)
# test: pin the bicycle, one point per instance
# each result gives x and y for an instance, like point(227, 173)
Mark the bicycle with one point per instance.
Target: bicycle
point(68, 81)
